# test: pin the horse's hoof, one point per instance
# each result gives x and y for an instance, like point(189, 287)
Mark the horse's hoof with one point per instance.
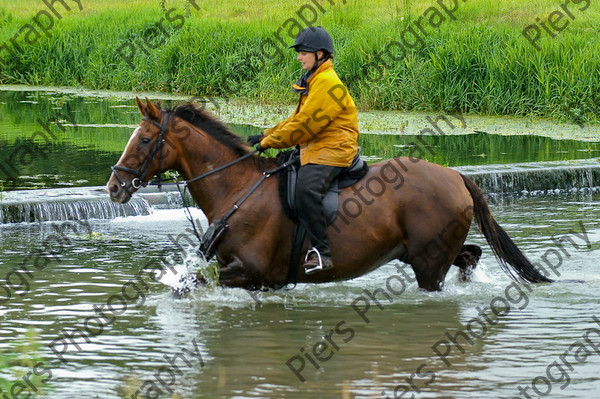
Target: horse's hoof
point(467, 260)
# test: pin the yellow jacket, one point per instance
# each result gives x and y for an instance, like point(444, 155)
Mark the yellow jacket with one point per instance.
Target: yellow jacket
point(324, 124)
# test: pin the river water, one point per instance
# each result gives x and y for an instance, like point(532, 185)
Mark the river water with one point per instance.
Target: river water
point(99, 276)
point(70, 138)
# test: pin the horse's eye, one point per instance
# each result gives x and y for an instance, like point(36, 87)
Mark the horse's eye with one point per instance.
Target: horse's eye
point(145, 140)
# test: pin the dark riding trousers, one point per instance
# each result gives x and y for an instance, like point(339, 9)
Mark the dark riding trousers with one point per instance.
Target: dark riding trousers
point(313, 182)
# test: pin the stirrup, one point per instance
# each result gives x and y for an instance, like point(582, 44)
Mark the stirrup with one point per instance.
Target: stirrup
point(316, 268)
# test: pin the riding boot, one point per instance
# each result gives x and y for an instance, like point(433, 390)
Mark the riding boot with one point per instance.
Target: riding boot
point(313, 183)
point(314, 262)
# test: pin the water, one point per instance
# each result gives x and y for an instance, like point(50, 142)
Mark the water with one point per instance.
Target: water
point(67, 253)
point(535, 178)
point(64, 139)
point(82, 203)
point(244, 341)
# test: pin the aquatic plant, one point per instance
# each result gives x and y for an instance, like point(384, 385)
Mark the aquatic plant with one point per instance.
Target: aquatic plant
point(24, 354)
point(478, 63)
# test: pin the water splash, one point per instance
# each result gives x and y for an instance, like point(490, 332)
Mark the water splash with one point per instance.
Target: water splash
point(186, 276)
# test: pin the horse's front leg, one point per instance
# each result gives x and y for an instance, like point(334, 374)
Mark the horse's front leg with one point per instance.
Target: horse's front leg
point(237, 274)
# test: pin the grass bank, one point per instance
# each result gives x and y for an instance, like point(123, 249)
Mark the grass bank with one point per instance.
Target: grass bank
point(392, 54)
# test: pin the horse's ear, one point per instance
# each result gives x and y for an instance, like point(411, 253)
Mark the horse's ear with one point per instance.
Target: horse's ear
point(153, 111)
point(141, 106)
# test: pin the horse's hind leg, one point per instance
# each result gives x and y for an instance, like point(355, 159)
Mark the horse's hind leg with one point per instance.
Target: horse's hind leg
point(467, 260)
point(430, 264)
point(432, 256)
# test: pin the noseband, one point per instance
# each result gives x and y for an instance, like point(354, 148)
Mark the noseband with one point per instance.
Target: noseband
point(142, 172)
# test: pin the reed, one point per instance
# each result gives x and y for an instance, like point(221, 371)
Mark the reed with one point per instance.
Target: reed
point(478, 63)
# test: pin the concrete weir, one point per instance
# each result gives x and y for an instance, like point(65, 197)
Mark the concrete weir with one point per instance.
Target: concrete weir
point(536, 177)
point(30, 206)
point(82, 203)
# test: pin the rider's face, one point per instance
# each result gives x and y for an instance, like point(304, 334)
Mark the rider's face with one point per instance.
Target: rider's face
point(307, 59)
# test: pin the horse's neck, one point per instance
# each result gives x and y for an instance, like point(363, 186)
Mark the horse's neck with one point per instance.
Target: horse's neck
point(217, 193)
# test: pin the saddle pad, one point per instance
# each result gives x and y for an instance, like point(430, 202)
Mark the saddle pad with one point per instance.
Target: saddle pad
point(288, 178)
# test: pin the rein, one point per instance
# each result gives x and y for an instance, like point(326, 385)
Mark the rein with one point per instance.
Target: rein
point(220, 168)
point(216, 230)
point(138, 182)
point(210, 172)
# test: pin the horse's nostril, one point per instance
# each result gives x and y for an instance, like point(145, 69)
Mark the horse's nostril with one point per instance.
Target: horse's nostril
point(114, 188)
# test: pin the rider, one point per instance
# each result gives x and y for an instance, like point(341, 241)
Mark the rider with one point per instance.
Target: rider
point(325, 126)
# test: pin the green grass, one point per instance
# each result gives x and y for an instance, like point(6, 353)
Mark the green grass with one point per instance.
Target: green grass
point(479, 63)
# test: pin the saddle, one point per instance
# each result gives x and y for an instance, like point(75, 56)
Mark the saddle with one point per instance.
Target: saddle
point(288, 181)
point(289, 161)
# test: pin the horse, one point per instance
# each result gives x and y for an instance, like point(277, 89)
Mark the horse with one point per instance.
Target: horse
point(403, 209)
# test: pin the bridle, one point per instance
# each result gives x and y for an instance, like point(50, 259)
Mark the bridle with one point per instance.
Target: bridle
point(141, 173)
point(212, 236)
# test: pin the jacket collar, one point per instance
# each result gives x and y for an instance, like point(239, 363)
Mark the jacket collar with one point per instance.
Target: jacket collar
point(302, 85)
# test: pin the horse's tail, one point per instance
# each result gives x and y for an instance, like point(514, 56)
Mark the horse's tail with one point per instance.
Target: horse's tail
point(504, 248)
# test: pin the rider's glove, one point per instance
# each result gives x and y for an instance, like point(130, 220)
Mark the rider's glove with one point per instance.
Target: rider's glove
point(254, 139)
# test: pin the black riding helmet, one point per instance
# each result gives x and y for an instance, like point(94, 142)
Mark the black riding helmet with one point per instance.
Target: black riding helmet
point(312, 40)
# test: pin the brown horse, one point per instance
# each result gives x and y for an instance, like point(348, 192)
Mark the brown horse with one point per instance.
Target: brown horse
point(404, 208)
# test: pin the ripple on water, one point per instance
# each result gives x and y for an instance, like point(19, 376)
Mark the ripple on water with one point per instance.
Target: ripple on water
point(246, 339)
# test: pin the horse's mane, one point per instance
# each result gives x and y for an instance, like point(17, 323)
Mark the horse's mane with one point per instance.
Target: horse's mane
point(209, 124)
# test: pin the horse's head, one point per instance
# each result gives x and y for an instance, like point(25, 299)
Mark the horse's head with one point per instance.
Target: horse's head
point(145, 154)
